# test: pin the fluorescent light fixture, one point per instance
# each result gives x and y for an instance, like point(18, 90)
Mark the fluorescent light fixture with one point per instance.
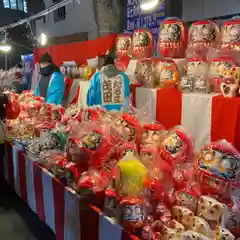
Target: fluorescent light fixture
point(148, 5)
point(43, 39)
point(5, 48)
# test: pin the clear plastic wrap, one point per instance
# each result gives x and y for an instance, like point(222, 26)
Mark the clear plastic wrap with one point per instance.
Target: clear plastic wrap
point(152, 135)
point(90, 146)
point(177, 147)
point(132, 175)
point(173, 38)
point(217, 168)
point(126, 128)
point(57, 112)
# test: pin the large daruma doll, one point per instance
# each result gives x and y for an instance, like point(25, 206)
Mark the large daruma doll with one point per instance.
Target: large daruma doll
point(231, 34)
point(203, 34)
point(142, 43)
point(173, 36)
point(123, 45)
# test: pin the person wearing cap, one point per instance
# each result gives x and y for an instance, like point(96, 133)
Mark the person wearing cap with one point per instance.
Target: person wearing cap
point(109, 87)
point(51, 85)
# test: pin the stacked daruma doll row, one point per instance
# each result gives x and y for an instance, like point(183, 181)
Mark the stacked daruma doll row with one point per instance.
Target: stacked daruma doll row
point(174, 38)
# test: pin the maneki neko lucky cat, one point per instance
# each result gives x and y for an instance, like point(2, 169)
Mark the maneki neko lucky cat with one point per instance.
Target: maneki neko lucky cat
point(173, 37)
point(231, 34)
point(217, 168)
point(222, 70)
point(123, 45)
point(195, 77)
point(203, 34)
point(142, 43)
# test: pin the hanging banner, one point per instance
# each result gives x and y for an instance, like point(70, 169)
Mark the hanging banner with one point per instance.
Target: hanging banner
point(137, 18)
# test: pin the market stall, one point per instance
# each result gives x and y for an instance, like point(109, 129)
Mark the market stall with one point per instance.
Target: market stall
point(92, 174)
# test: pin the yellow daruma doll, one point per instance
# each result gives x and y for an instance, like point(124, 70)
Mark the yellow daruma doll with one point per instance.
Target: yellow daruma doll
point(132, 176)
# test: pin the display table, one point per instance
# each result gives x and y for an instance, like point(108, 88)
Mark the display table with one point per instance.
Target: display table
point(69, 215)
point(206, 117)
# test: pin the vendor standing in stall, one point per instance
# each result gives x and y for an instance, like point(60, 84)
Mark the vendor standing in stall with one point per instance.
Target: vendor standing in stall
point(51, 85)
point(109, 87)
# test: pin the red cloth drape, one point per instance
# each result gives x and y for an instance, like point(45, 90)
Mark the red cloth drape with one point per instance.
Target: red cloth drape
point(78, 51)
point(169, 107)
point(226, 120)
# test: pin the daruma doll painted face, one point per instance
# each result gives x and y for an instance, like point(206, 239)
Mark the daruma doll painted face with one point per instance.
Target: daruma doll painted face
point(231, 34)
point(173, 36)
point(203, 34)
point(142, 43)
point(123, 45)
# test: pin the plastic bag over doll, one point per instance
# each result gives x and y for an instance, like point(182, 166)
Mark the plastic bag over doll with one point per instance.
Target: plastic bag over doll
point(217, 167)
point(91, 146)
point(177, 147)
point(132, 175)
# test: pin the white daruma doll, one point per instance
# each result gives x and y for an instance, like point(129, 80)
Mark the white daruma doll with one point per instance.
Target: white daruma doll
point(231, 34)
point(173, 37)
point(142, 43)
point(203, 34)
point(123, 45)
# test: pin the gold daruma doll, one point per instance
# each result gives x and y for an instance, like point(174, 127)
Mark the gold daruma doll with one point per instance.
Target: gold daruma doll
point(173, 37)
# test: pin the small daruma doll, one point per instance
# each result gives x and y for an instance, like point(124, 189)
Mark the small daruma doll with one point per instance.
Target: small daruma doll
point(177, 147)
point(123, 45)
point(142, 43)
point(216, 167)
point(132, 215)
point(203, 34)
point(195, 77)
point(145, 72)
point(126, 128)
point(167, 74)
point(152, 135)
point(231, 34)
point(173, 37)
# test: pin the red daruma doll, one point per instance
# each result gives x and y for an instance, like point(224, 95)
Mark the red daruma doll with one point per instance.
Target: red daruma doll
point(142, 43)
point(173, 36)
point(231, 34)
point(203, 34)
point(123, 45)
